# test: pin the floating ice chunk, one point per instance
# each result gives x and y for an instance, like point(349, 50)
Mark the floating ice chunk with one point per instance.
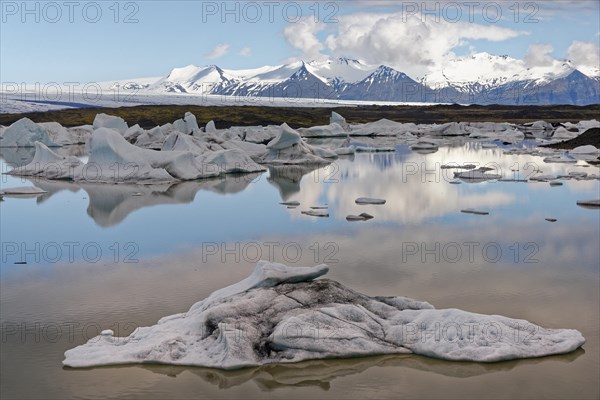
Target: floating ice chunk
point(22, 191)
point(562, 133)
point(370, 149)
point(287, 138)
point(107, 332)
point(383, 127)
point(316, 213)
point(589, 149)
point(248, 324)
point(191, 123)
point(369, 200)
point(290, 203)
point(288, 148)
point(451, 129)
point(489, 146)
point(63, 136)
point(109, 121)
point(177, 141)
point(543, 177)
point(336, 118)
point(332, 130)
point(180, 126)
point(265, 275)
point(259, 134)
point(359, 217)
point(589, 203)
point(132, 133)
point(232, 161)
point(25, 133)
point(473, 211)
point(152, 139)
point(457, 166)
point(476, 175)
point(562, 159)
point(210, 127)
point(424, 146)
point(344, 151)
point(539, 125)
point(48, 164)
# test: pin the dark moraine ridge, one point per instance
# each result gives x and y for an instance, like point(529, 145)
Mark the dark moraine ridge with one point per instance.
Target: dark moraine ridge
point(591, 136)
point(148, 116)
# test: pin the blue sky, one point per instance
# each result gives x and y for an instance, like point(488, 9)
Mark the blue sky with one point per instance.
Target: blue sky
point(71, 42)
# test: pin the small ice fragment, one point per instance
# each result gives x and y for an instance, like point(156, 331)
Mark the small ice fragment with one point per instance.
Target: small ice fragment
point(316, 213)
point(473, 211)
point(369, 200)
point(589, 203)
point(360, 217)
point(290, 203)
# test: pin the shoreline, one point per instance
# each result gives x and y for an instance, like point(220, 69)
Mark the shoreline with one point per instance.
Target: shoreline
point(149, 116)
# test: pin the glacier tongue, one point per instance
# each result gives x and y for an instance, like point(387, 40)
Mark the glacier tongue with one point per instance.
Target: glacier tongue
point(280, 314)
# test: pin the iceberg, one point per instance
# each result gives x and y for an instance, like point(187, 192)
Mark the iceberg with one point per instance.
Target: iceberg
point(63, 136)
point(588, 149)
point(331, 130)
point(289, 148)
point(110, 121)
point(336, 118)
point(282, 314)
point(24, 133)
point(48, 164)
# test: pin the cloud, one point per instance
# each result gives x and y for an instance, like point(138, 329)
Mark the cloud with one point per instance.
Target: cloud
point(537, 55)
point(407, 42)
point(586, 54)
point(219, 51)
point(302, 36)
point(246, 52)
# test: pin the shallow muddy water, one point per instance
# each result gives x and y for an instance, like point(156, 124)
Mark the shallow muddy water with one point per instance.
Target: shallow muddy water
point(82, 258)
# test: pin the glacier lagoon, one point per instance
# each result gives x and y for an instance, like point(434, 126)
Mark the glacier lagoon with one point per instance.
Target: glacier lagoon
point(165, 247)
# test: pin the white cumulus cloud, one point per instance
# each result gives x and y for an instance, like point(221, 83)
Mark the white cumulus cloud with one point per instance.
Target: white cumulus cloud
point(406, 42)
point(302, 36)
point(585, 54)
point(219, 51)
point(246, 52)
point(537, 55)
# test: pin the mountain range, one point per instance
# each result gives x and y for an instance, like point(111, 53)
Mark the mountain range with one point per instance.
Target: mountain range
point(476, 79)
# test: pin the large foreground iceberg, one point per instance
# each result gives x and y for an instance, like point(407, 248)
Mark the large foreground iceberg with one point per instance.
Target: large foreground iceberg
point(281, 314)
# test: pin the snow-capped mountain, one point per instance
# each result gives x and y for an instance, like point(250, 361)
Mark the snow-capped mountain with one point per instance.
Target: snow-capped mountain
point(480, 78)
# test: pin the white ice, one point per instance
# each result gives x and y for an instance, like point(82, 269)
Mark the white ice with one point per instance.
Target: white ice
point(281, 314)
point(24, 133)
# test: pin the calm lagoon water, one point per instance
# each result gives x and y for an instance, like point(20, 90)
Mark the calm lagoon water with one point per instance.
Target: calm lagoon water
point(122, 256)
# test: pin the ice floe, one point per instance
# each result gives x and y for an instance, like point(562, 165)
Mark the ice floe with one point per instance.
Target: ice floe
point(24, 133)
point(473, 211)
point(289, 148)
point(369, 200)
point(316, 213)
point(110, 121)
point(359, 217)
point(589, 203)
point(22, 191)
point(281, 314)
